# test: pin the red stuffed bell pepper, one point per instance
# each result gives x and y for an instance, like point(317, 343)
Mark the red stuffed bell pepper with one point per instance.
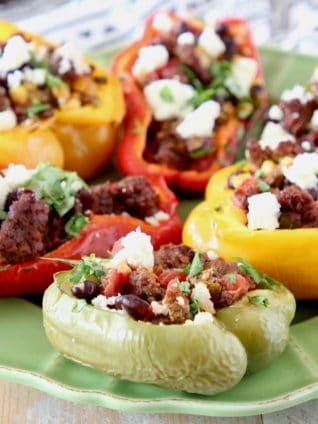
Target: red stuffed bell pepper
point(189, 91)
point(37, 221)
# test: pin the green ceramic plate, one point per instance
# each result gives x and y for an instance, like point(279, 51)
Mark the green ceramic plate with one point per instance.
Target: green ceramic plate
point(27, 357)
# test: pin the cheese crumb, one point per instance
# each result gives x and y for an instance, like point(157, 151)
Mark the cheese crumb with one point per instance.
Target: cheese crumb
point(8, 120)
point(157, 218)
point(201, 293)
point(36, 76)
point(136, 250)
point(176, 106)
point(298, 92)
point(200, 122)
point(263, 212)
point(149, 59)
point(15, 54)
point(314, 120)
point(103, 302)
point(211, 43)
point(273, 134)
point(186, 38)
point(17, 175)
point(303, 171)
point(203, 317)
point(159, 308)
point(243, 74)
point(4, 191)
point(71, 57)
point(162, 22)
point(275, 113)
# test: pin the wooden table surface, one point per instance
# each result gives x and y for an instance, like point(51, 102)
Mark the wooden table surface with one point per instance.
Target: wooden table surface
point(23, 405)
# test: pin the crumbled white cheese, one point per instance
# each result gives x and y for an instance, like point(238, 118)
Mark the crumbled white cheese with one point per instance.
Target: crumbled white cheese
point(306, 145)
point(201, 293)
point(176, 106)
point(180, 300)
point(17, 175)
point(200, 122)
point(36, 76)
point(186, 38)
point(8, 120)
point(243, 74)
point(314, 120)
point(162, 22)
point(15, 54)
point(273, 134)
point(149, 59)
point(4, 191)
point(157, 218)
point(14, 79)
point(136, 250)
point(298, 92)
point(263, 212)
point(303, 171)
point(275, 113)
point(103, 302)
point(159, 308)
point(203, 317)
point(71, 57)
point(211, 43)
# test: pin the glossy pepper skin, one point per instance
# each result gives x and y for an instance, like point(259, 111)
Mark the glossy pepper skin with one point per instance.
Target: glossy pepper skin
point(97, 237)
point(80, 139)
point(138, 116)
point(206, 356)
point(288, 255)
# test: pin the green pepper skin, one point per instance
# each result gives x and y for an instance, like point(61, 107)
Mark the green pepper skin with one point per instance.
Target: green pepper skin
point(200, 357)
point(263, 330)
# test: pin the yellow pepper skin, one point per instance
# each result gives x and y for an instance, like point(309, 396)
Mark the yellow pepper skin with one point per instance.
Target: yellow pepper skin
point(80, 139)
point(290, 256)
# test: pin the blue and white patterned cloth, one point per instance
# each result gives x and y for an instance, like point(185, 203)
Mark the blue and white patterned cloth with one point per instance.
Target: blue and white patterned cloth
point(95, 24)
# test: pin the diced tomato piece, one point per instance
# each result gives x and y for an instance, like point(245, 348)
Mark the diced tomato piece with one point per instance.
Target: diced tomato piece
point(166, 276)
point(236, 289)
point(115, 283)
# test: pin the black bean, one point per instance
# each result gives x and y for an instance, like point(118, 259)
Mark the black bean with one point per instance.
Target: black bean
point(86, 290)
point(137, 308)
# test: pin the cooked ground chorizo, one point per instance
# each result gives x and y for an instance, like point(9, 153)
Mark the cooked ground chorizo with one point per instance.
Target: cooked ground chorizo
point(177, 304)
point(296, 115)
point(173, 256)
point(145, 284)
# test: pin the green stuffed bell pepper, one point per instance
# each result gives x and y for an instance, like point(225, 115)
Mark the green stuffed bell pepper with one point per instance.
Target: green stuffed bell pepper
point(175, 317)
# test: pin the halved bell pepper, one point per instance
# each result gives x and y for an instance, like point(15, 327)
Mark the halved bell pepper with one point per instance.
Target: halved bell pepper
point(80, 139)
point(288, 255)
point(98, 236)
point(138, 115)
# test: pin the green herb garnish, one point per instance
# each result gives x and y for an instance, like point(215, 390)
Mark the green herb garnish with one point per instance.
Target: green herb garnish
point(166, 95)
point(245, 109)
point(56, 186)
point(231, 277)
point(36, 63)
point(220, 71)
point(3, 215)
point(201, 153)
point(185, 287)
point(79, 305)
point(53, 81)
point(74, 225)
point(260, 279)
point(192, 77)
point(202, 95)
point(88, 266)
point(263, 187)
point(196, 266)
point(258, 300)
point(194, 306)
point(36, 109)
point(259, 173)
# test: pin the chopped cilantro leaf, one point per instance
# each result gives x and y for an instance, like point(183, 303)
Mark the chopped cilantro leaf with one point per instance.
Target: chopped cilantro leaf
point(259, 300)
point(231, 277)
point(53, 81)
point(188, 72)
point(166, 94)
point(185, 287)
point(220, 70)
point(202, 95)
point(259, 173)
point(36, 63)
point(263, 187)
point(262, 280)
point(88, 266)
point(194, 306)
point(36, 109)
point(79, 305)
point(75, 224)
point(56, 186)
point(196, 266)
point(201, 153)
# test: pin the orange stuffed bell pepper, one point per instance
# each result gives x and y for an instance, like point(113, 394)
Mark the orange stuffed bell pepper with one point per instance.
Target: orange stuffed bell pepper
point(266, 210)
point(190, 92)
point(49, 213)
point(55, 106)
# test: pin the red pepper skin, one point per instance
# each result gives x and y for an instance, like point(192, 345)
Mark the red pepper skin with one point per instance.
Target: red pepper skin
point(97, 237)
point(138, 116)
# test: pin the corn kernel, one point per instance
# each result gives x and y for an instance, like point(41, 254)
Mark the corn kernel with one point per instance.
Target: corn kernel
point(286, 161)
point(237, 180)
point(267, 167)
point(19, 94)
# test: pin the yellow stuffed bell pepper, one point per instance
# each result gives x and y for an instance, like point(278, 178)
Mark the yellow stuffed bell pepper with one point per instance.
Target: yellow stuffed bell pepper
point(217, 225)
point(55, 106)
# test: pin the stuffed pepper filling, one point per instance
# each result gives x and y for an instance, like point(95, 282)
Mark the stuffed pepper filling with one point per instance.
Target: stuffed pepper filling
point(40, 209)
point(281, 189)
point(168, 286)
point(194, 81)
point(38, 78)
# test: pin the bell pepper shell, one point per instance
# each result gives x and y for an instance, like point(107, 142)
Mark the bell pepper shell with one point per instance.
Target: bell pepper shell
point(288, 256)
point(199, 357)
